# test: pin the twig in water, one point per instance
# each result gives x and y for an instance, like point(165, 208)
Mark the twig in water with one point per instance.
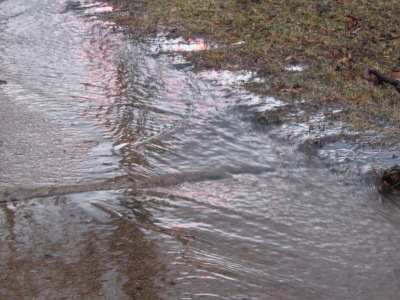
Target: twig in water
point(187, 246)
point(154, 228)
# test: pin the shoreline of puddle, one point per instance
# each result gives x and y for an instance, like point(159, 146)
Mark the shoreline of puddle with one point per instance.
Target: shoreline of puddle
point(48, 206)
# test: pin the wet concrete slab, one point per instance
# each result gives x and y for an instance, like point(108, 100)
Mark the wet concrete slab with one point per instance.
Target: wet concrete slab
point(36, 151)
point(59, 248)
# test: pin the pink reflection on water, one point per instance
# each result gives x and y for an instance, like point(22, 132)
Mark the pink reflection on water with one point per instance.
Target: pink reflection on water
point(100, 79)
point(181, 45)
point(193, 45)
point(189, 225)
point(105, 8)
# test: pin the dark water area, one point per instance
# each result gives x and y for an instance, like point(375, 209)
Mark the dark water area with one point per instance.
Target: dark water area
point(86, 103)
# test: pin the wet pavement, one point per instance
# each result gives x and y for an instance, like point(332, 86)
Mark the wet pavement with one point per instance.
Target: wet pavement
point(90, 114)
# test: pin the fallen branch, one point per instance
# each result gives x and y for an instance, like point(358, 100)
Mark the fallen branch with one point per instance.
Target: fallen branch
point(154, 228)
point(386, 79)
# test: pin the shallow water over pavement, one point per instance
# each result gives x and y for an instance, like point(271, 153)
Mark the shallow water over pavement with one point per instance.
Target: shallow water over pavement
point(270, 222)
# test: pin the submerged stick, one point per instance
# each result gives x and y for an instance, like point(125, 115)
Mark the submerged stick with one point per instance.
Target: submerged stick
point(154, 228)
point(187, 246)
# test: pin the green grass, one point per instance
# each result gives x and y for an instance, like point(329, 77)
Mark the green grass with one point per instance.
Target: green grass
point(337, 40)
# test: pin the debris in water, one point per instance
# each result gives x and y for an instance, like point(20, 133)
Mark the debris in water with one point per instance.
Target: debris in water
point(390, 179)
point(271, 117)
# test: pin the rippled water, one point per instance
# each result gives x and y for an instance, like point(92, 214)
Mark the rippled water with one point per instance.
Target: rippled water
point(270, 222)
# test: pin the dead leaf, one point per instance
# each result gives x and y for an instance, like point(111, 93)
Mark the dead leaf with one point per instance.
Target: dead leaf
point(280, 88)
point(334, 98)
point(311, 41)
point(238, 43)
point(298, 89)
point(289, 57)
point(323, 31)
point(349, 55)
point(354, 98)
point(395, 75)
point(351, 21)
point(344, 50)
point(342, 61)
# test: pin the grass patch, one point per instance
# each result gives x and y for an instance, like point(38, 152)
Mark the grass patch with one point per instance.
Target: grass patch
point(338, 40)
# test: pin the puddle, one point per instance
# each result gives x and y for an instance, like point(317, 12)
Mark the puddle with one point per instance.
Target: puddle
point(269, 220)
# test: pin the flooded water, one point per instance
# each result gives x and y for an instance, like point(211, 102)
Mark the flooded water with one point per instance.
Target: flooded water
point(86, 103)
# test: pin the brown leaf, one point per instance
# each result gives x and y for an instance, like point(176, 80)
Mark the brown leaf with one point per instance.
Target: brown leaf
point(354, 98)
point(344, 50)
point(311, 41)
point(280, 88)
point(323, 31)
point(351, 21)
point(357, 100)
point(349, 55)
point(289, 57)
point(395, 75)
point(298, 89)
point(334, 98)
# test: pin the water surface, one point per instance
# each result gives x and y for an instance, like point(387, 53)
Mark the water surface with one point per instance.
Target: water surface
point(93, 104)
